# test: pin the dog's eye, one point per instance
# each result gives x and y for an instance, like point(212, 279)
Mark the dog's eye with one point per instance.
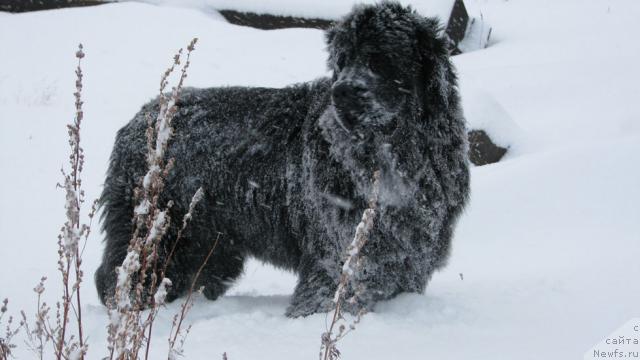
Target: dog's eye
point(379, 64)
point(340, 63)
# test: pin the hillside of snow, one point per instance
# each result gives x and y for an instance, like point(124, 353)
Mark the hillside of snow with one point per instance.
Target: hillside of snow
point(546, 258)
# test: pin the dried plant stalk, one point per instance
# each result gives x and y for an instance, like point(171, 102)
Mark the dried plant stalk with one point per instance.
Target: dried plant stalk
point(10, 331)
point(329, 340)
point(139, 284)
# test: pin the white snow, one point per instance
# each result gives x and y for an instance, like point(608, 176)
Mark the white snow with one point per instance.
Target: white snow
point(161, 293)
point(545, 259)
point(157, 228)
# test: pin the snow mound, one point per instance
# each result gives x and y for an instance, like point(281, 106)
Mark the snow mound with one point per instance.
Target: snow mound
point(483, 112)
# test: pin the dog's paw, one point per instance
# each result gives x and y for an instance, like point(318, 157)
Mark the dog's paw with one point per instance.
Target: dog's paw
point(357, 306)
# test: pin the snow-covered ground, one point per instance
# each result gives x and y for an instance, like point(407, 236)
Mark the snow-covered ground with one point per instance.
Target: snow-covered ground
point(549, 247)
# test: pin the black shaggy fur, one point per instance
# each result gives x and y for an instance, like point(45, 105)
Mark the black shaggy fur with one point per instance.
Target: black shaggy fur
point(287, 171)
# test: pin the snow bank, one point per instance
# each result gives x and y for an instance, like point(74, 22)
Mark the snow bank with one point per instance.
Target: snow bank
point(483, 112)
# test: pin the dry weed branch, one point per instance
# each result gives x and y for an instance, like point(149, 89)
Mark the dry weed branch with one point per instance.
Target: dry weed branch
point(329, 340)
point(178, 319)
point(139, 284)
point(10, 331)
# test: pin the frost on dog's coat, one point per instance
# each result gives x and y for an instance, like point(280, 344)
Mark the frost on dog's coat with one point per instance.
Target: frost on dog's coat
point(287, 171)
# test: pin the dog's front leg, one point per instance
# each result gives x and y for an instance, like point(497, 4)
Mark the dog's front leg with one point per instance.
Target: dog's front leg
point(316, 286)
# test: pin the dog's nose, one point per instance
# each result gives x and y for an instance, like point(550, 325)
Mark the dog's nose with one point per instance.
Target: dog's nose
point(347, 94)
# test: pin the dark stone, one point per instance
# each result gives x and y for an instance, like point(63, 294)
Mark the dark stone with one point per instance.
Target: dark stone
point(482, 150)
point(271, 22)
point(457, 26)
point(17, 6)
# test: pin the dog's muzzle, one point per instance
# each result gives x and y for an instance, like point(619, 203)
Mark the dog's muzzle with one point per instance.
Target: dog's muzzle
point(348, 98)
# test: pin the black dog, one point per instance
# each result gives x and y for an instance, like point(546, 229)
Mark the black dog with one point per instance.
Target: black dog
point(287, 172)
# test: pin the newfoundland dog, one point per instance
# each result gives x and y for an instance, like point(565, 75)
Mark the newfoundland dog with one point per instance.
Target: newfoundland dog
point(287, 172)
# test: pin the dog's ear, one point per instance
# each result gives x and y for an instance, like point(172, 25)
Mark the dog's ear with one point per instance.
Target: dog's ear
point(330, 34)
point(330, 39)
point(437, 73)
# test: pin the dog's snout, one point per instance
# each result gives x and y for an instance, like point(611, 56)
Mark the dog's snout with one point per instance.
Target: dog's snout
point(347, 93)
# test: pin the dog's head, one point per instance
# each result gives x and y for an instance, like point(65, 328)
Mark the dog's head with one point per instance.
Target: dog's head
point(393, 96)
point(388, 63)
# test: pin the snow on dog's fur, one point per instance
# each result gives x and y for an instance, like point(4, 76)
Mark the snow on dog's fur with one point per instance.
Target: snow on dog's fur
point(286, 172)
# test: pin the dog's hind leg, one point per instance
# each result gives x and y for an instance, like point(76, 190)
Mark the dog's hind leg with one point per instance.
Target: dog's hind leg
point(222, 268)
point(207, 254)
